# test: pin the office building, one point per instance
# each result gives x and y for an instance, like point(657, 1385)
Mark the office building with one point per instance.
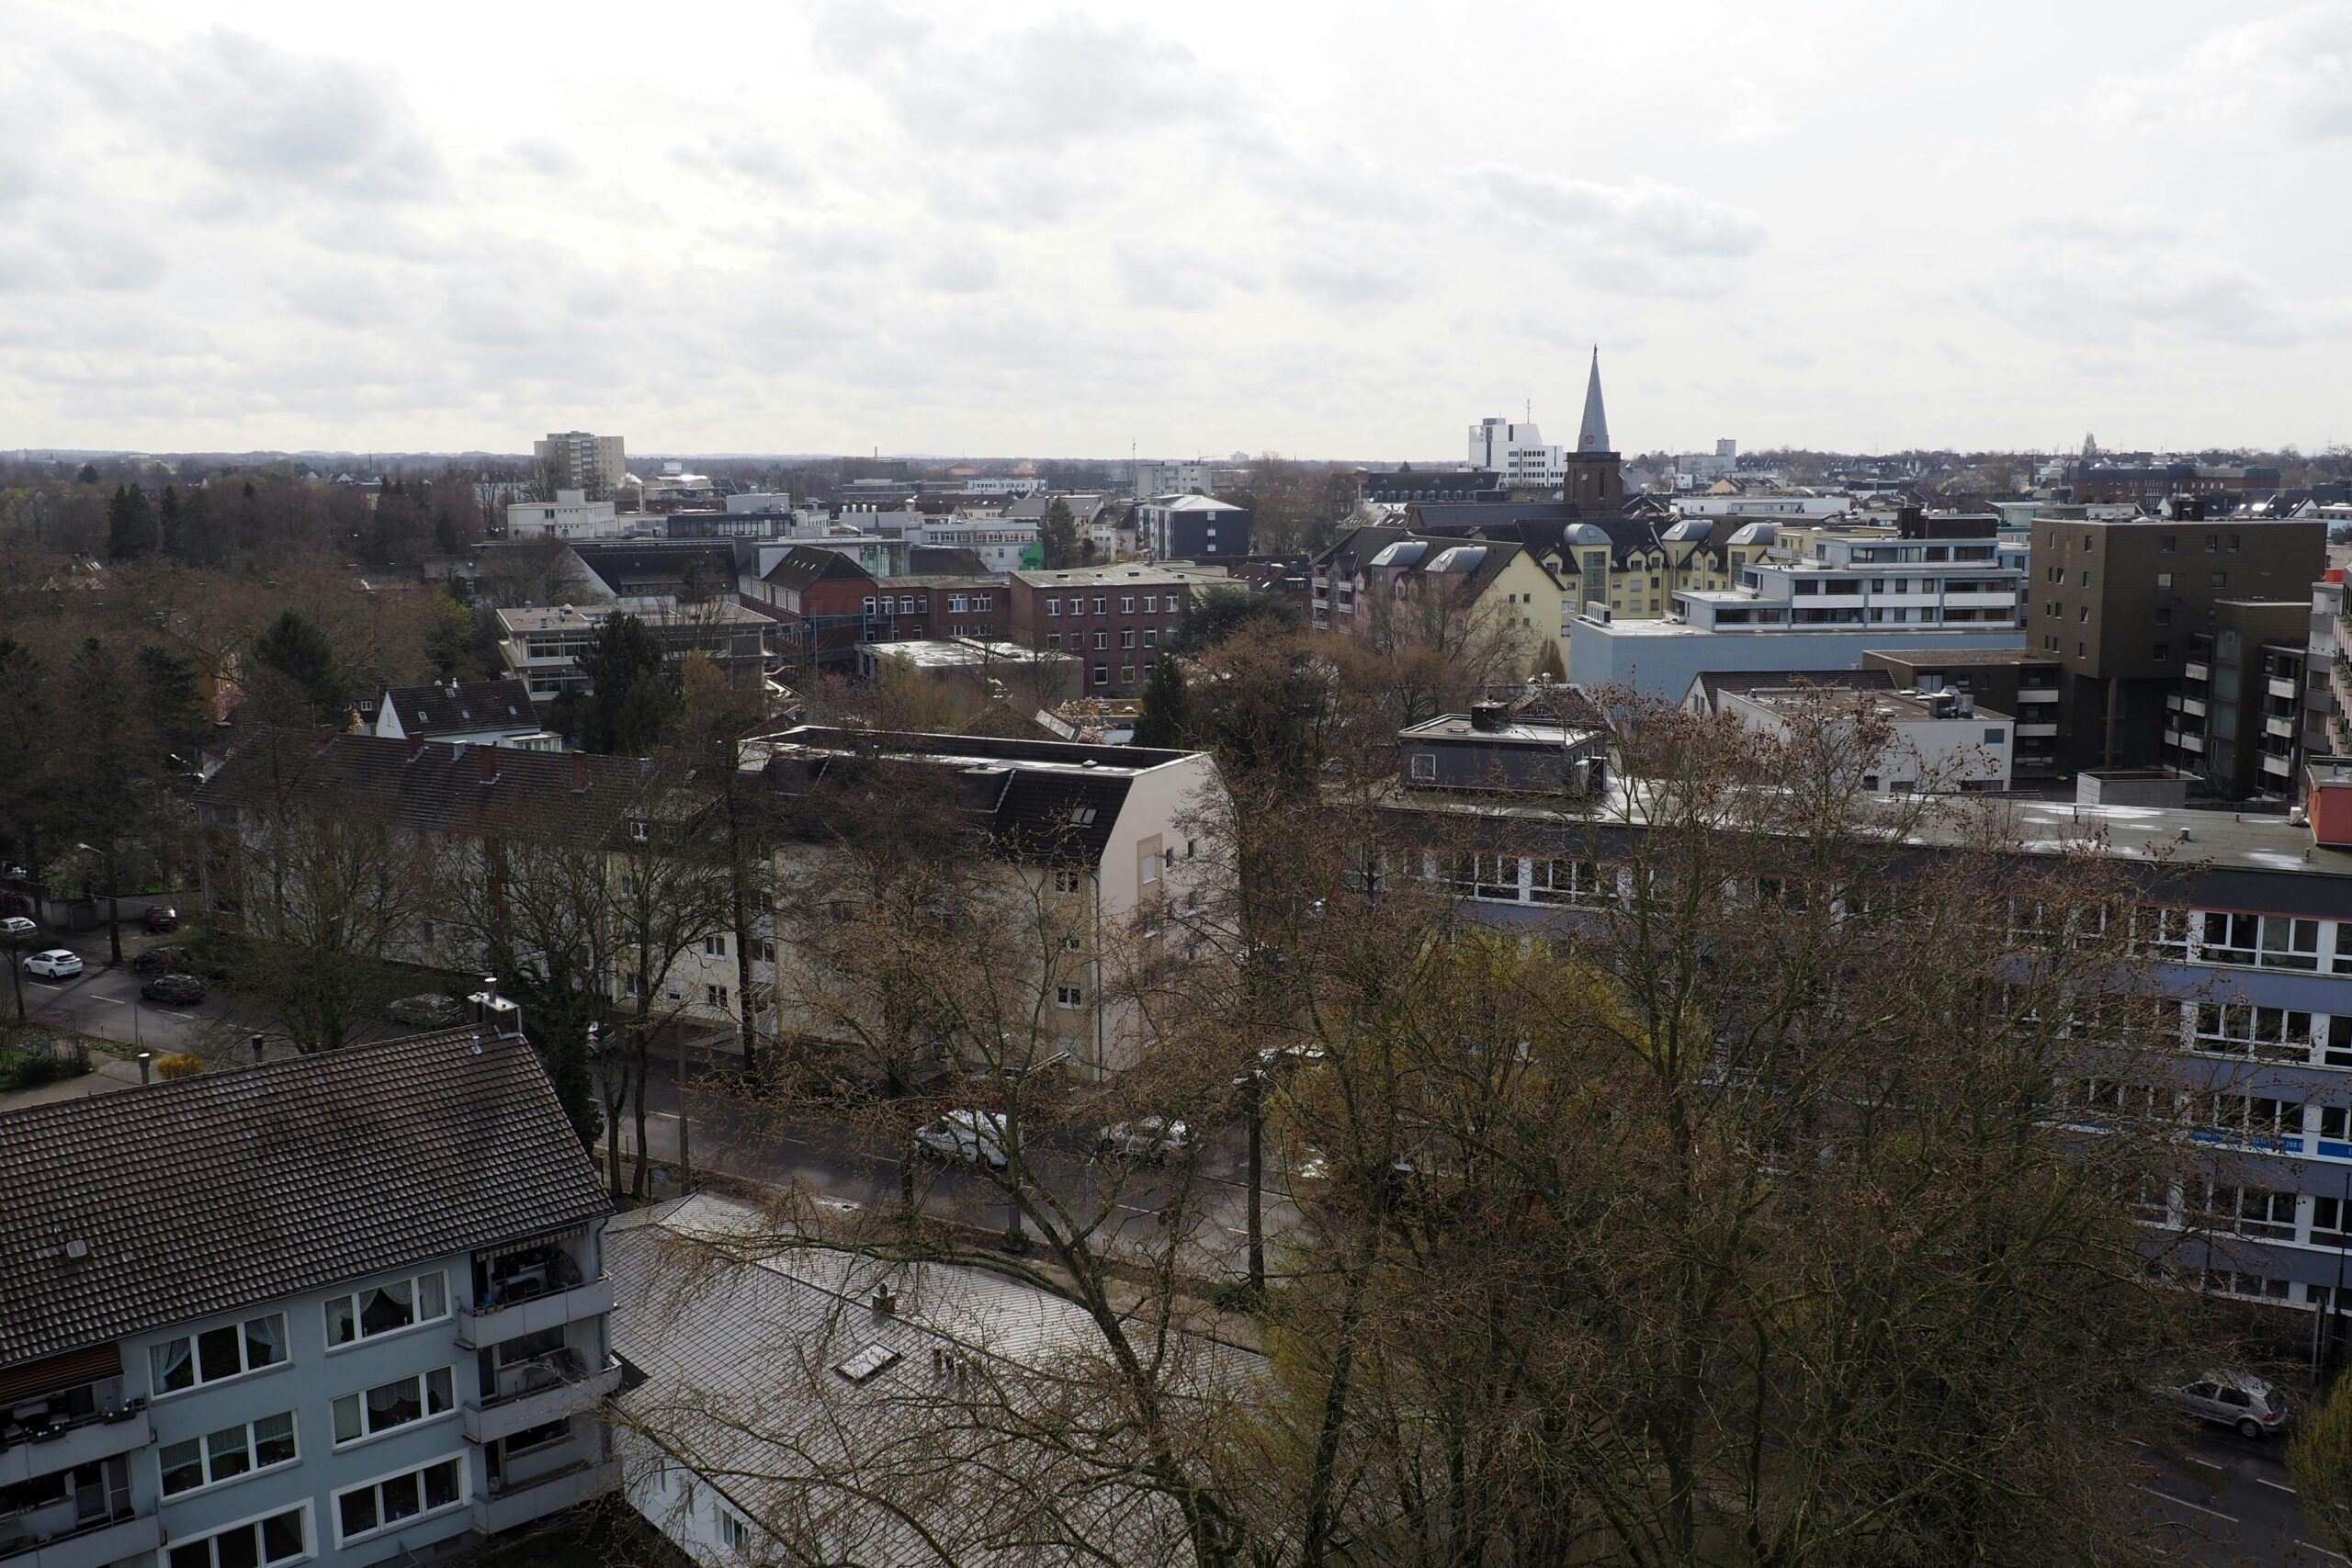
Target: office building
point(1115, 618)
point(571, 515)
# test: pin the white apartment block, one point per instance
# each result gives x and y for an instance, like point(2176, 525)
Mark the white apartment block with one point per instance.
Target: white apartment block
point(571, 515)
point(1518, 453)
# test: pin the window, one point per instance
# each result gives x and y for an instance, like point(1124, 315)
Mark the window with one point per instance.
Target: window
point(732, 1531)
point(2234, 541)
point(2242, 1211)
point(1126, 637)
point(1101, 603)
point(762, 950)
point(636, 829)
point(1566, 882)
point(2221, 579)
point(715, 997)
point(386, 1308)
point(2288, 943)
point(1150, 868)
point(2212, 543)
point(227, 1454)
point(381, 1505)
point(2164, 579)
point(276, 1537)
point(2228, 939)
point(907, 605)
point(1067, 881)
point(866, 605)
point(1995, 737)
point(1069, 995)
point(1127, 604)
point(2242, 1029)
point(538, 1437)
point(714, 947)
point(2161, 653)
point(2159, 932)
point(1101, 639)
point(1053, 639)
point(2167, 543)
point(981, 600)
point(1151, 603)
point(1424, 767)
point(223, 1352)
point(392, 1404)
point(1101, 674)
point(1053, 607)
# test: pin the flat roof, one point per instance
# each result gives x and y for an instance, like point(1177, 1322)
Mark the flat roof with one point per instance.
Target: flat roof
point(1455, 726)
point(1968, 655)
point(942, 652)
point(1149, 574)
point(965, 750)
point(1896, 705)
point(559, 617)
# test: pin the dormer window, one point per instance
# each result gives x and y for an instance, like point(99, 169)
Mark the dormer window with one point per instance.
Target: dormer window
point(636, 829)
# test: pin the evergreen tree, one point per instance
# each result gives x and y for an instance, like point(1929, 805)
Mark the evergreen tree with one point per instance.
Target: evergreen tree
point(631, 695)
point(167, 517)
point(130, 525)
point(444, 532)
point(296, 648)
point(1166, 718)
point(1057, 538)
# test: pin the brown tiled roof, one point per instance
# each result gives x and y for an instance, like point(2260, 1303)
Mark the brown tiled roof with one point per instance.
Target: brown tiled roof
point(432, 787)
point(463, 708)
point(236, 1188)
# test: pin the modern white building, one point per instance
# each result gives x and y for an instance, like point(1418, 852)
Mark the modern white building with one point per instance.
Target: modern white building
point(1518, 453)
point(571, 515)
point(1171, 478)
point(1693, 468)
point(1003, 544)
point(596, 464)
point(1938, 741)
point(1872, 578)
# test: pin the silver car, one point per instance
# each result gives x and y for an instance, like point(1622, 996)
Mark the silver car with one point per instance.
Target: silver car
point(964, 1137)
point(2233, 1399)
point(1152, 1139)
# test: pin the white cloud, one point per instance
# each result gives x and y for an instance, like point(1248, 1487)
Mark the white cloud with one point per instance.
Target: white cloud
point(2293, 71)
point(1643, 237)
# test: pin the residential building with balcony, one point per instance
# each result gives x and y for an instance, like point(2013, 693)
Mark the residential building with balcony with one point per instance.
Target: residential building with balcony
point(1371, 576)
point(2245, 922)
point(1192, 528)
point(2236, 720)
point(596, 464)
point(543, 647)
point(2017, 681)
point(343, 1308)
point(2119, 604)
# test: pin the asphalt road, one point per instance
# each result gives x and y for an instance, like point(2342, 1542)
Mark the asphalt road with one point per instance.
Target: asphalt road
point(856, 1163)
point(104, 1000)
point(2230, 1500)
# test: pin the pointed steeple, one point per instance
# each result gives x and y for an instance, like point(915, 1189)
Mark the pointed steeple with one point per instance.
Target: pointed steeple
point(1594, 435)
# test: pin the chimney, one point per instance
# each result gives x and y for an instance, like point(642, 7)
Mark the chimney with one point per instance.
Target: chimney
point(1487, 715)
point(885, 1302)
point(489, 763)
point(415, 746)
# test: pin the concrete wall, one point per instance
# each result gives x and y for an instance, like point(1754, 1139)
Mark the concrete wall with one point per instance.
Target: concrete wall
point(1663, 666)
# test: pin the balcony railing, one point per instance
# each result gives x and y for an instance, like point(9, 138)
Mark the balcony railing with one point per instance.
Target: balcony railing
point(126, 1532)
point(480, 1326)
point(2197, 669)
point(523, 1501)
point(546, 1391)
point(45, 1450)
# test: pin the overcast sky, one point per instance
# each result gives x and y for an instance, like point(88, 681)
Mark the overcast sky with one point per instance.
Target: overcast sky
point(1329, 230)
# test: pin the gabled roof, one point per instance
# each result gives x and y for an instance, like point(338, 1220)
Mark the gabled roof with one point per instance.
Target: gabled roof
point(462, 707)
point(427, 786)
point(945, 560)
point(133, 1211)
point(804, 564)
point(663, 562)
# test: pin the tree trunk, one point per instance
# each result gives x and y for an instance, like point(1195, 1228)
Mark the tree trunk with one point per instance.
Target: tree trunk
point(114, 912)
point(1256, 1201)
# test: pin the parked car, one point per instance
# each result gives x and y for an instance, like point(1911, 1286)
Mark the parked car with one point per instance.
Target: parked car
point(56, 962)
point(965, 1137)
point(427, 1009)
point(2233, 1399)
point(177, 989)
point(165, 960)
point(161, 918)
point(16, 928)
point(1151, 1138)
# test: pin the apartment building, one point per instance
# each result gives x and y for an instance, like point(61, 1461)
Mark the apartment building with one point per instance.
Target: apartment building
point(1192, 528)
point(596, 465)
point(2247, 922)
point(1113, 618)
point(2236, 720)
point(2020, 682)
point(346, 1308)
point(1363, 581)
point(1937, 741)
point(2118, 601)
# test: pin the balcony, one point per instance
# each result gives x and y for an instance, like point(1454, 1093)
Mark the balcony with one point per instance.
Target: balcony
point(2193, 743)
point(2282, 728)
point(2282, 766)
point(2000, 600)
point(2037, 694)
point(478, 1327)
point(2195, 706)
point(2197, 669)
point(2028, 729)
point(537, 1393)
point(2286, 688)
point(82, 1440)
point(524, 1500)
point(93, 1545)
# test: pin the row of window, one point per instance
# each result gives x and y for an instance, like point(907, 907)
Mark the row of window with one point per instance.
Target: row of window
point(1127, 673)
point(1103, 601)
point(235, 1348)
point(361, 1513)
point(913, 603)
point(1102, 639)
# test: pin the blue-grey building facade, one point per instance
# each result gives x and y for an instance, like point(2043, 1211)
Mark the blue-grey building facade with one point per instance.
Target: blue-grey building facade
point(338, 1310)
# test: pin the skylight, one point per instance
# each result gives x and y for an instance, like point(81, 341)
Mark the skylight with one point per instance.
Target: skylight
point(868, 1364)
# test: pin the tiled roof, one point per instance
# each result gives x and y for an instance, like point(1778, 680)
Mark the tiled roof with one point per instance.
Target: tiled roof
point(434, 788)
point(236, 1188)
point(463, 707)
point(805, 564)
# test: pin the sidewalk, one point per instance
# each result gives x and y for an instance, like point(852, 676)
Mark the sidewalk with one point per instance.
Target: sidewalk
point(106, 1073)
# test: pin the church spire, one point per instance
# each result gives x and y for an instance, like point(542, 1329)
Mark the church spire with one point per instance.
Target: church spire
point(1594, 435)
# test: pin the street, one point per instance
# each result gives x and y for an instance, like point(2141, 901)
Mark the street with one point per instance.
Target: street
point(105, 1001)
point(2232, 1499)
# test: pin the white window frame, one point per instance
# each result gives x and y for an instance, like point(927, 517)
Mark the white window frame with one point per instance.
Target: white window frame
point(425, 1412)
point(245, 1368)
point(309, 1549)
point(204, 1455)
point(714, 946)
point(350, 1300)
point(385, 1527)
point(732, 1531)
point(1069, 996)
point(2252, 1031)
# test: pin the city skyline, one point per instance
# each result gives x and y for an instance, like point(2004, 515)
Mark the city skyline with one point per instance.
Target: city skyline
point(1021, 230)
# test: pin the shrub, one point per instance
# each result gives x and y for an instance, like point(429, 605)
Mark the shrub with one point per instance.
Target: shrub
point(33, 1062)
point(180, 1066)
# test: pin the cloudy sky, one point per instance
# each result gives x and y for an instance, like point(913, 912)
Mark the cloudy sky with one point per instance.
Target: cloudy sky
point(1329, 230)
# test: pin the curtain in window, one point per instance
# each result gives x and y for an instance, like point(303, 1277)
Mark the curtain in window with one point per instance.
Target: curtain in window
point(265, 1340)
point(172, 1366)
point(392, 1404)
point(387, 1307)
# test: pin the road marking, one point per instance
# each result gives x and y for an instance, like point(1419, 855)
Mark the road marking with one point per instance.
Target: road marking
point(2275, 1485)
point(2324, 1552)
point(2208, 1463)
point(188, 1017)
point(2226, 1518)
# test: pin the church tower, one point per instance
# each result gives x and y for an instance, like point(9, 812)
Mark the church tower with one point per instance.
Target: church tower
point(1594, 480)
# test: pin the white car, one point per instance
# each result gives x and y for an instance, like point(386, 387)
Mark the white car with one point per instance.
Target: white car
point(1146, 1137)
point(967, 1137)
point(56, 962)
point(2233, 1399)
point(12, 927)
